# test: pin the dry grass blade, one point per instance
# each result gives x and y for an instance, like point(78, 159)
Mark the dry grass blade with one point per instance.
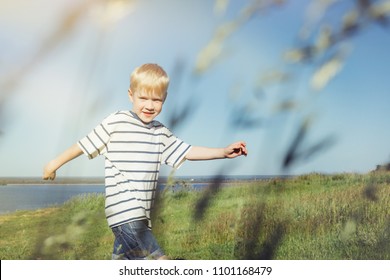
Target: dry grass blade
point(179, 116)
point(296, 152)
point(315, 11)
point(204, 202)
point(371, 192)
point(220, 6)
point(380, 11)
point(243, 117)
point(270, 246)
point(66, 26)
point(251, 230)
point(213, 51)
point(327, 72)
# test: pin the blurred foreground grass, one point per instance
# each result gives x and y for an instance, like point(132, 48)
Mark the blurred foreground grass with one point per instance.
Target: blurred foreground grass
point(341, 216)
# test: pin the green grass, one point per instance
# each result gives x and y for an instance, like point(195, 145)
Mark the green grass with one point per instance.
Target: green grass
point(342, 216)
point(75, 230)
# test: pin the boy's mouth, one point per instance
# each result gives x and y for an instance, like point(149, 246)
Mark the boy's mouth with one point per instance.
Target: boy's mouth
point(148, 113)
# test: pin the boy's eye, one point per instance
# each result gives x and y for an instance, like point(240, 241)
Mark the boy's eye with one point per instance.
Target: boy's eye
point(145, 98)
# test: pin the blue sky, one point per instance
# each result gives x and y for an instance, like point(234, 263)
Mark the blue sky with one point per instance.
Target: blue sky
point(84, 77)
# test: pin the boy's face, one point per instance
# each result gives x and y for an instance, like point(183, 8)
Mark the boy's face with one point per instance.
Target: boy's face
point(146, 105)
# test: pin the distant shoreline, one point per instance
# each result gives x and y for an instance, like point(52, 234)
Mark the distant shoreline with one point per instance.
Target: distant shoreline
point(57, 181)
point(163, 179)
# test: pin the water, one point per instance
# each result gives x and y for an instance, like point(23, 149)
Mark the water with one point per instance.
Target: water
point(30, 197)
point(15, 197)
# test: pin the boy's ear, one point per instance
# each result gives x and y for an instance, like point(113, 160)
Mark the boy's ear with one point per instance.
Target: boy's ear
point(130, 93)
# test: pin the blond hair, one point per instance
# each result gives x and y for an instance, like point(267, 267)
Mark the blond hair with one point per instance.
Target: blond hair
point(149, 78)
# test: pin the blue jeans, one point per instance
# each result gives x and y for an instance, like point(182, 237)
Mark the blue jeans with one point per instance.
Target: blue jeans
point(135, 241)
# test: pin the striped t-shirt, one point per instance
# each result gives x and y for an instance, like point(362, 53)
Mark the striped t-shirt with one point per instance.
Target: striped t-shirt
point(134, 152)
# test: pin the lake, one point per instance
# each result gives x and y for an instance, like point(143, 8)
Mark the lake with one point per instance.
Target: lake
point(30, 197)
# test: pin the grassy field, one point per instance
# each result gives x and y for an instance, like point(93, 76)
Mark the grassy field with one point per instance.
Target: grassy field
point(343, 216)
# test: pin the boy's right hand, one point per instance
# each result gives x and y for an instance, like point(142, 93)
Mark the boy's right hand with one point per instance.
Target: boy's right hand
point(48, 172)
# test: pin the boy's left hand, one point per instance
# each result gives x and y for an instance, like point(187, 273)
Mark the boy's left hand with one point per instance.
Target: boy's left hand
point(236, 149)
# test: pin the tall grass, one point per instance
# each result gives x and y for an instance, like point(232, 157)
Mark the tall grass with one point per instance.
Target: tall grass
point(343, 216)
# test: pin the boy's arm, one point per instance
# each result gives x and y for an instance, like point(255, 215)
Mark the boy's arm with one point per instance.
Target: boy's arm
point(205, 153)
point(49, 172)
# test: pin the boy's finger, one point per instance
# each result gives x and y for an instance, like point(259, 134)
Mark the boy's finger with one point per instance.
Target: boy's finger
point(244, 150)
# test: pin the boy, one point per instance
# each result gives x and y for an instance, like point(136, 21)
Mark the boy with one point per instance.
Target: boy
point(134, 146)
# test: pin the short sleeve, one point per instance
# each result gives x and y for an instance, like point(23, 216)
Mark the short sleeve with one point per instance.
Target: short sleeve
point(174, 151)
point(95, 143)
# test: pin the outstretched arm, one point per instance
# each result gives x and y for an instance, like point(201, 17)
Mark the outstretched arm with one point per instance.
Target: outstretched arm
point(205, 153)
point(49, 172)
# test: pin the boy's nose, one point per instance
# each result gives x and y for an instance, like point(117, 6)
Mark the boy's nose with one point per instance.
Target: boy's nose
point(149, 105)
